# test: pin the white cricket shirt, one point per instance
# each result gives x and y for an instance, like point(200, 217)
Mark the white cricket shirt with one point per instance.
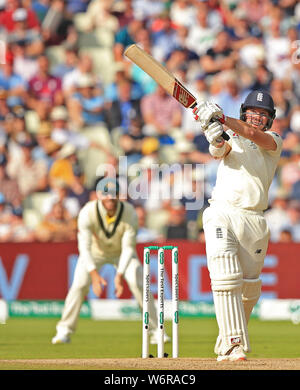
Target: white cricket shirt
point(244, 176)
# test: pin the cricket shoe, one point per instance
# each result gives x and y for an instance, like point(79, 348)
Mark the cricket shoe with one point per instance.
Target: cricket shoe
point(154, 337)
point(233, 355)
point(61, 339)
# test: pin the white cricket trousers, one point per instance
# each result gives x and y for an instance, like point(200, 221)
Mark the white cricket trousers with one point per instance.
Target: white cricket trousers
point(80, 288)
point(240, 232)
point(236, 245)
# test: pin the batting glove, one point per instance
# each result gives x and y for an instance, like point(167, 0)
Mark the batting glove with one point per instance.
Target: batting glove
point(213, 134)
point(206, 111)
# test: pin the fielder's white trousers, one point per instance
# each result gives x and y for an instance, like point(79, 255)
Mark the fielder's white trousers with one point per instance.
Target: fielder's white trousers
point(80, 288)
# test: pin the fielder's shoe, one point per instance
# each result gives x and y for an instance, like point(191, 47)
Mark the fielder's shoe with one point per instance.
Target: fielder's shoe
point(234, 354)
point(61, 339)
point(154, 337)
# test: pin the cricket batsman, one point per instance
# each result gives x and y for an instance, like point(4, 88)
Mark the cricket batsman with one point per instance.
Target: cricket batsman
point(107, 229)
point(235, 229)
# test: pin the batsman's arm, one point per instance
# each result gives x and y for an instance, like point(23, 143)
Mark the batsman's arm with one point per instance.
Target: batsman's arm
point(220, 152)
point(260, 138)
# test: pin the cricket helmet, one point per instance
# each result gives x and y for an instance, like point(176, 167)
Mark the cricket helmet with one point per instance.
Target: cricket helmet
point(259, 99)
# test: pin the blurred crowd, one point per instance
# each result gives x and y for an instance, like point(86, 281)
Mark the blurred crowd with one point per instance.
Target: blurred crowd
point(72, 105)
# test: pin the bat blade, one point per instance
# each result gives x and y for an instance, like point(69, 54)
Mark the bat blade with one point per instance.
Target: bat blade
point(162, 76)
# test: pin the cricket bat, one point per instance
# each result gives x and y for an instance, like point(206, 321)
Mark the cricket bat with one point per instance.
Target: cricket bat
point(163, 77)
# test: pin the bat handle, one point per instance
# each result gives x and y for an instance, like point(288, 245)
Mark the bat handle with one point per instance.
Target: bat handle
point(224, 135)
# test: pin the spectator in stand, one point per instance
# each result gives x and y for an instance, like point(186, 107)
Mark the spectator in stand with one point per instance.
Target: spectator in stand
point(30, 175)
point(4, 109)
point(19, 232)
point(59, 194)
point(295, 119)
point(7, 20)
point(177, 227)
point(220, 57)
point(66, 170)
point(43, 88)
point(57, 226)
point(182, 13)
point(124, 11)
point(16, 129)
point(23, 65)
point(111, 92)
point(9, 187)
point(293, 213)
point(232, 96)
point(121, 110)
point(5, 219)
point(84, 66)
point(124, 37)
point(162, 115)
point(262, 78)
point(11, 139)
point(46, 148)
point(280, 95)
point(164, 38)
point(277, 50)
point(285, 236)
point(238, 27)
point(58, 26)
point(99, 14)
point(131, 141)
point(66, 167)
point(14, 85)
point(69, 64)
point(86, 105)
point(144, 233)
point(194, 202)
point(201, 35)
point(276, 215)
point(29, 37)
point(148, 9)
point(255, 10)
point(290, 171)
point(62, 133)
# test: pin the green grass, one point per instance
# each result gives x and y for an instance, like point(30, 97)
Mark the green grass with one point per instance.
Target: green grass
point(31, 339)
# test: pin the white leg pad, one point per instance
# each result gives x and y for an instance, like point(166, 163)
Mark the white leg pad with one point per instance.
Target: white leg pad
point(250, 295)
point(226, 282)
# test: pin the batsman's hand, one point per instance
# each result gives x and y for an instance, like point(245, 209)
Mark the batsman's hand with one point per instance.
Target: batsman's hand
point(119, 285)
point(213, 134)
point(97, 283)
point(206, 111)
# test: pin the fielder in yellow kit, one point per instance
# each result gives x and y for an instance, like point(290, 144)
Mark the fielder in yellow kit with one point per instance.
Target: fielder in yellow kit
point(107, 229)
point(236, 231)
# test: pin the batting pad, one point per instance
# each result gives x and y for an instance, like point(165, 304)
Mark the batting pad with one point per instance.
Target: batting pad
point(250, 295)
point(226, 283)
